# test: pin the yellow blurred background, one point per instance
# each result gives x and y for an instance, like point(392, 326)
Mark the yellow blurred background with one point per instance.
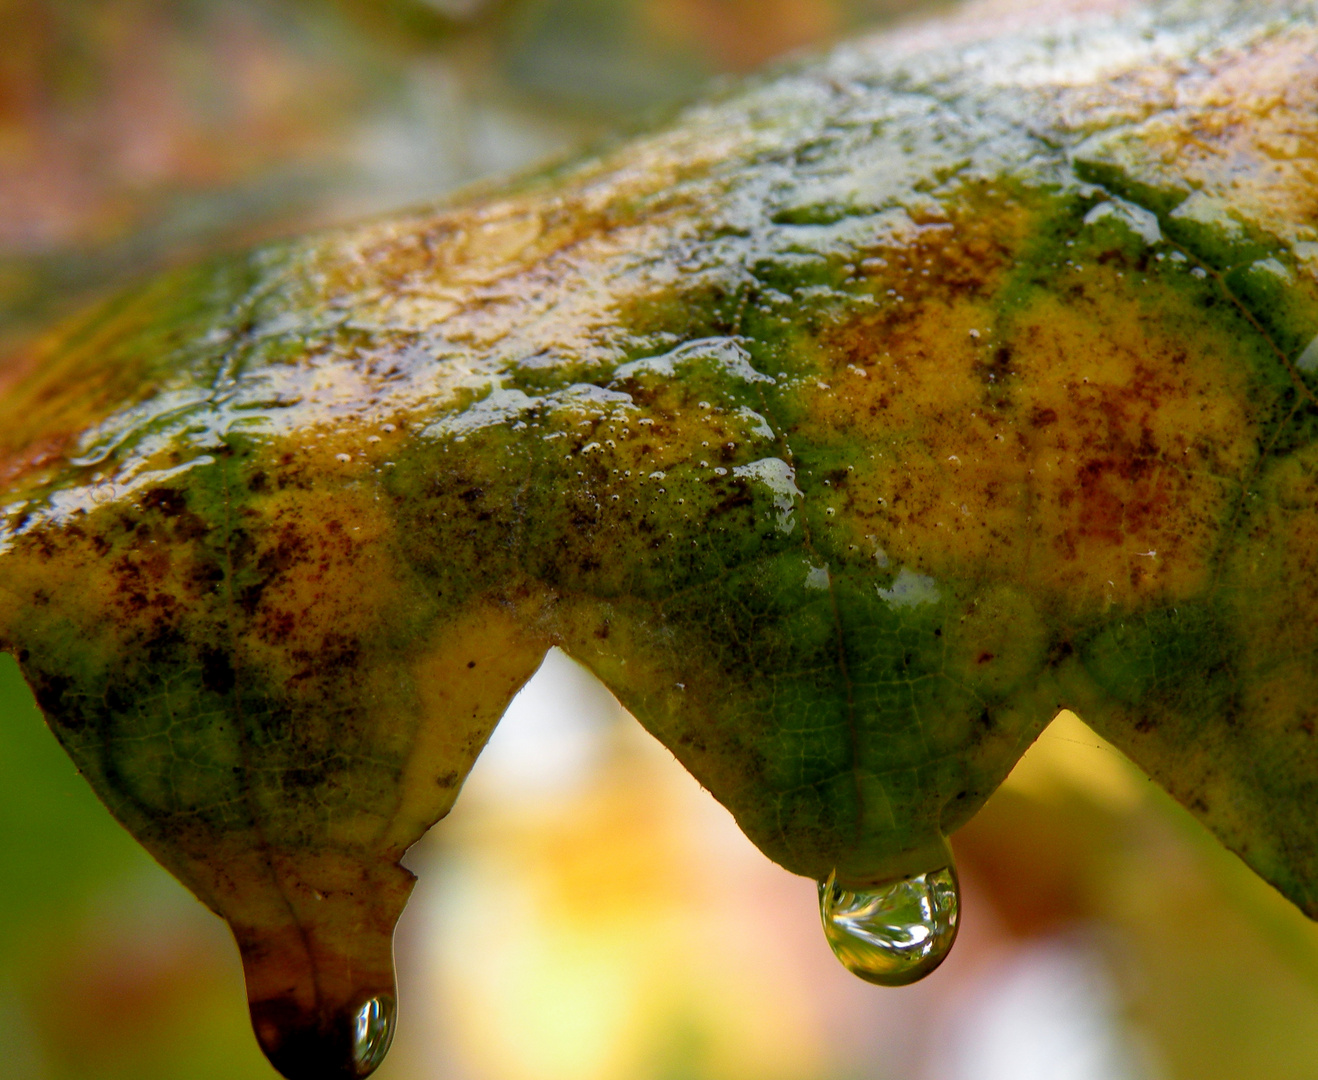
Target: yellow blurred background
point(587, 912)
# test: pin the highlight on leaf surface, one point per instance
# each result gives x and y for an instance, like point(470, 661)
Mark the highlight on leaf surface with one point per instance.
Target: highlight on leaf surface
point(848, 428)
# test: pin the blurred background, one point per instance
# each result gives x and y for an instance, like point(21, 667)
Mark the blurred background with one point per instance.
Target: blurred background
point(587, 912)
point(139, 132)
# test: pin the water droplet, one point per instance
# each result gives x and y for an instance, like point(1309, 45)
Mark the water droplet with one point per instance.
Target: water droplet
point(346, 1045)
point(894, 934)
point(374, 1031)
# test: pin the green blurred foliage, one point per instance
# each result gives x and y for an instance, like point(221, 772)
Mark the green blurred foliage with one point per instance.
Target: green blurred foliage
point(109, 969)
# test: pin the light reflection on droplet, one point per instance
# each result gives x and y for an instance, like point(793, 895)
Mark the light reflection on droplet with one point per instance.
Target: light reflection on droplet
point(373, 1031)
point(894, 934)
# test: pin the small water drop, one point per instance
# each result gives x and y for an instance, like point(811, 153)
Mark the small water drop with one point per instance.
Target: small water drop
point(894, 934)
point(373, 1032)
point(348, 1045)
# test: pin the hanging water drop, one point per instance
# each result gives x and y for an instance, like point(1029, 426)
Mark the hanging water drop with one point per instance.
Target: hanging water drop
point(373, 1032)
point(319, 962)
point(348, 1045)
point(894, 934)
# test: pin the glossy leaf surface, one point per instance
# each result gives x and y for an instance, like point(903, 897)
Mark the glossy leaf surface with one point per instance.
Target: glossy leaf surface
point(847, 428)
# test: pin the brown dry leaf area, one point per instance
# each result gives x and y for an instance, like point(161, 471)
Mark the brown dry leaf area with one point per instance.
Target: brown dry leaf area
point(1068, 444)
point(1109, 463)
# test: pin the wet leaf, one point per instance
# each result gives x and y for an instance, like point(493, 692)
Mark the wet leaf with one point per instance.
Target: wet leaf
point(848, 428)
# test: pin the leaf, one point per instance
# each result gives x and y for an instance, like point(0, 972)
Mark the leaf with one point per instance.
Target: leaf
point(848, 428)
